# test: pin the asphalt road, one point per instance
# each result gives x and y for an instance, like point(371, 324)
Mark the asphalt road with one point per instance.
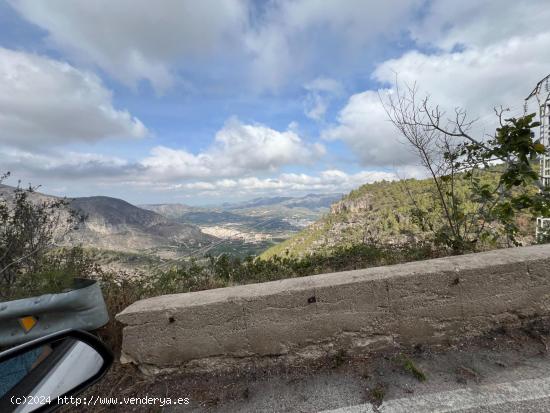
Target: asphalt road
point(521, 396)
point(504, 375)
point(517, 396)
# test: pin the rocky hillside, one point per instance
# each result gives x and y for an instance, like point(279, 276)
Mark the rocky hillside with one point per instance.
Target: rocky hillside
point(171, 211)
point(374, 211)
point(117, 225)
point(378, 212)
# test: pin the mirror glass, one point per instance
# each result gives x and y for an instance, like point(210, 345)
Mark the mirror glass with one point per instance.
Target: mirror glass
point(42, 374)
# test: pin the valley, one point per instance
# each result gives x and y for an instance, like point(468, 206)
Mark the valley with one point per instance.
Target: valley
point(125, 236)
point(249, 228)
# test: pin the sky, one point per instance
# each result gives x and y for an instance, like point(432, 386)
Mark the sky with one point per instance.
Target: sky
point(211, 101)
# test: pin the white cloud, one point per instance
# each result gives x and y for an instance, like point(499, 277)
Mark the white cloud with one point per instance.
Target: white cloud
point(451, 23)
point(315, 106)
point(168, 163)
point(107, 173)
point(363, 125)
point(325, 84)
point(68, 166)
point(138, 39)
point(486, 73)
point(238, 149)
point(332, 180)
point(320, 92)
point(292, 35)
point(275, 42)
point(478, 78)
point(44, 101)
point(256, 147)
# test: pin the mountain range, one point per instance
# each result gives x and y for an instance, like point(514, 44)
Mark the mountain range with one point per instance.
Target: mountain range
point(175, 230)
point(250, 227)
point(114, 224)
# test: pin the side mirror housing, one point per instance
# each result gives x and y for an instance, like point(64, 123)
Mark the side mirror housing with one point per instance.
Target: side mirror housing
point(38, 375)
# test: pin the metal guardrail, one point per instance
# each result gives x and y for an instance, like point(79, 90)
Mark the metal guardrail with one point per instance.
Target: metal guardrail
point(83, 307)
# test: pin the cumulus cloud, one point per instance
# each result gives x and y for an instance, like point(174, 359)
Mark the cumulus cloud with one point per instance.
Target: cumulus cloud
point(65, 165)
point(486, 72)
point(260, 147)
point(138, 39)
point(332, 180)
point(363, 125)
point(295, 36)
point(44, 101)
point(274, 42)
point(237, 149)
point(101, 171)
point(477, 78)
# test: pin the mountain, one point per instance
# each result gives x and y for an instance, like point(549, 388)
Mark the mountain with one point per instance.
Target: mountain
point(171, 211)
point(114, 224)
point(256, 202)
point(310, 201)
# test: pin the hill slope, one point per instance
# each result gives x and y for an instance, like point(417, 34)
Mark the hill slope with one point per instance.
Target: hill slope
point(378, 212)
point(117, 225)
point(373, 211)
point(171, 211)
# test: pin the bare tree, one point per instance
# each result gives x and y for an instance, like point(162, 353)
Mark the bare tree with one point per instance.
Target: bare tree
point(454, 158)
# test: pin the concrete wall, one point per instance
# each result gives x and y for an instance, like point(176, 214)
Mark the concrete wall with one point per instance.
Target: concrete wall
point(433, 301)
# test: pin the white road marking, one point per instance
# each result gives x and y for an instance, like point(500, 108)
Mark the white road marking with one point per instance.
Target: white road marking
point(457, 400)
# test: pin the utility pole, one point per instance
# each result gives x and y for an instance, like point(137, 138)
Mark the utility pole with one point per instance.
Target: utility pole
point(541, 93)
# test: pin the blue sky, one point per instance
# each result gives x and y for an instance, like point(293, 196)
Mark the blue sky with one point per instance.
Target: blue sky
point(214, 101)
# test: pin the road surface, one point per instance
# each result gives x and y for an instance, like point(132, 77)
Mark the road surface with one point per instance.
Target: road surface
point(511, 375)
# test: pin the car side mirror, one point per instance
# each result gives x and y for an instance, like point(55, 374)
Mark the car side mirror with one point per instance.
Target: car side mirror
point(37, 376)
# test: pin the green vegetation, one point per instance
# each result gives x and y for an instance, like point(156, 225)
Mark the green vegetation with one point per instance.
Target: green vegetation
point(28, 231)
point(56, 274)
point(224, 270)
point(129, 260)
point(121, 288)
point(378, 213)
point(408, 365)
point(240, 249)
point(376, 395)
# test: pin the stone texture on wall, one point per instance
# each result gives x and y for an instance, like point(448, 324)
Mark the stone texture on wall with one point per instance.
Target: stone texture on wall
point(433, 301)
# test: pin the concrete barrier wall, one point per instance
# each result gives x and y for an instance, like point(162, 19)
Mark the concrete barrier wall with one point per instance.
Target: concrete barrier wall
point(434, 301)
